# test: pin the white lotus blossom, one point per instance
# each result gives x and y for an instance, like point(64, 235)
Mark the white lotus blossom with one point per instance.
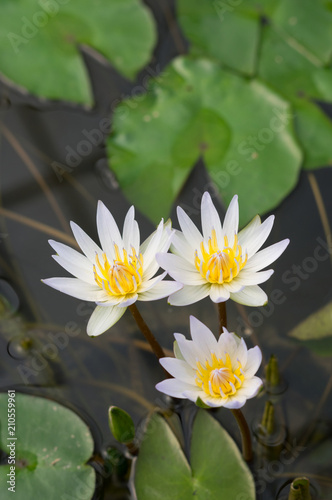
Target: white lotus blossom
point(116, 274)
point(221, 262)
point(219, 372)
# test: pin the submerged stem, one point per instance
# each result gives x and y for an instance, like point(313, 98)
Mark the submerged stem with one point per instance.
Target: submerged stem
point(222, 316)
point(245, 434)
point(155, 346)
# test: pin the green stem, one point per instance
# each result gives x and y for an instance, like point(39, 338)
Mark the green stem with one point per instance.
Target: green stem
point(222, 316)
point(155, 346)
point(245, 434)
point(299, 489)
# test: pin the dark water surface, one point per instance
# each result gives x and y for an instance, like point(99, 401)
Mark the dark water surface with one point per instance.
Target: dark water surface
point(89, 375)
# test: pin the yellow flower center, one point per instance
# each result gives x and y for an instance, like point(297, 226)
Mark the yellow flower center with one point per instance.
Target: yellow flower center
point(218, 378)
point(219, 266)
point(121, 277)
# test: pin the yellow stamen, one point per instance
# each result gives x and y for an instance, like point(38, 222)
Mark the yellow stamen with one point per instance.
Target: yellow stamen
point(219, 378)
point(220, 265)
point(122, 276)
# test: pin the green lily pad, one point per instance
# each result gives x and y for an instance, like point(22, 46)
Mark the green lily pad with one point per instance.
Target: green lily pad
point(242, 129)
point(316, 326)
point(40, 43)
point(222, 32)
point(294, 59)
point(52, 447)
point(217, 469)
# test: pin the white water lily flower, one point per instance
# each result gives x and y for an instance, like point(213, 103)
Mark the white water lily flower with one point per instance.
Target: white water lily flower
point(221, 263)
point(219, 372)
point(117, 274)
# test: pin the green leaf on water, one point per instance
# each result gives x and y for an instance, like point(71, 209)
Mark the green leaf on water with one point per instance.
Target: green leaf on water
point(316, 326)
point(217, 469)
point(40, 43)
point(242, 129)
point(52, 447)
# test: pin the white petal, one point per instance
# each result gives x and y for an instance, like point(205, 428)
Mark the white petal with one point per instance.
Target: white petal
point(70, 255)
point(241, 353)
point(179, 369)
point(265, 257)
point(250, 296)
point(253, 362)
point(250, 387)
point(179, 269)
point(129, 299)
point(190, 231)
point(189, 350)
point(259, 236)
point(231, 221)
point(84, 273)
point(214, 402)
point(227, 344)
point(146, 285)
point(181, 247)
point(233, 286)
point(177, 352)
point(235, 402)
point(211, 220)
point(103, 318)
point(160, 290)
point(248, 278)
point(88, 246)
point(246, 233)
point(189, 295)
point(76, 288)
point(173, 387)
point(203, 337)
point(149, 252)
point(108, 231)
point(131, 235)
point(218, 293)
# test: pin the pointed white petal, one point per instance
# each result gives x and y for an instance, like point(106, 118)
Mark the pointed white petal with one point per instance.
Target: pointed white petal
point(181, 247)
point(88, 246)
point(227, 344)
point(250, 296)
point(179, 269)
point(128, 300)
point(211, 220)
point(213, 402)
point(265, 257)
point(218, 293)
point(160, 290)
point(235, 402)
point(203, 337)
point(131, 235)
point(76, 288)
point(108, 231)
point(250, 387)
point(103, 318)
point(233, 286)
point(149, 251)
point(189, 350)
point(146, 285)
point(190, 231)
point(246, 233)
point(179, 369)
point(84, 273)
point(259, 236)
point(253, 362)
point(189, 295)
point(231, 221)
point(248, 278)
point(173, 387)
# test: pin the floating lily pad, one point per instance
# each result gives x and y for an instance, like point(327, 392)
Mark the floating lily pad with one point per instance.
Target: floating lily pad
point(52, 447)
point(242, 129)
point(217, 469)
point(40, 43)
